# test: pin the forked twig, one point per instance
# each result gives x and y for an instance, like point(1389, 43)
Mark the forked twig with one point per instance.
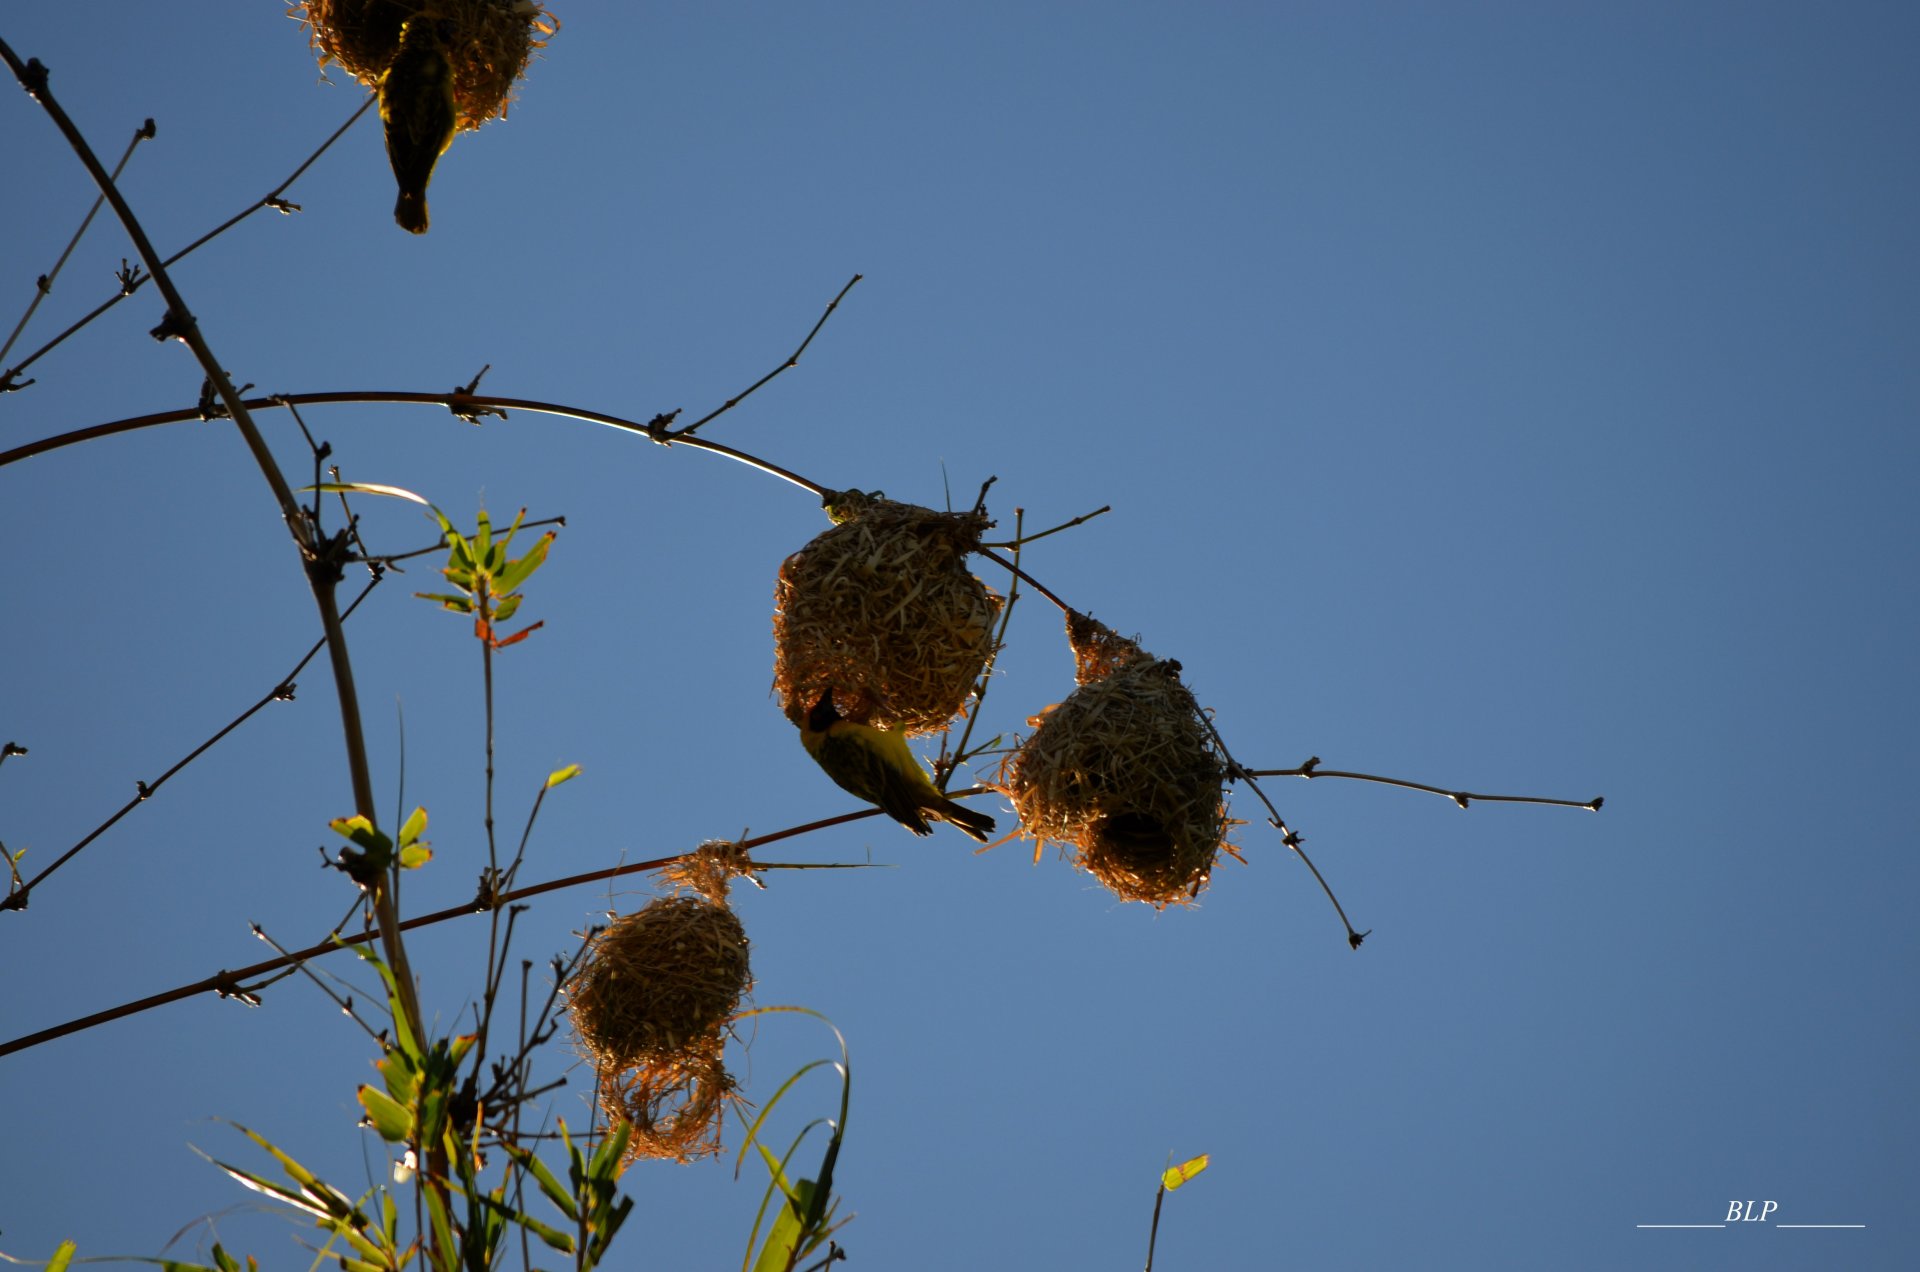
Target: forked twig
point(43, 286)
point(130, 281)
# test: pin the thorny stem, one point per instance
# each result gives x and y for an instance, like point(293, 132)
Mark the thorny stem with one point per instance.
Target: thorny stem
point(1287, 836)
point(282, 691)
point(43, 286)
point(793, 360)
point(462, 404)
point(128, 286)
point(1312, 769)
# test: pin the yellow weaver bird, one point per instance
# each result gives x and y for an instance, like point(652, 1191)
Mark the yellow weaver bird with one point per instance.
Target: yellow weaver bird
point(416, 106)
point(876, 765)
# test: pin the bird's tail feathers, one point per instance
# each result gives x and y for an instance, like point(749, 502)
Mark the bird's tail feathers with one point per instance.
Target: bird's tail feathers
point(410, 212)
point(976, 826)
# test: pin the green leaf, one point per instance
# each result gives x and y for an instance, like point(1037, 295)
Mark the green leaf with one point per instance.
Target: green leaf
point(783, 1242)
point(506, 609)
point(392, 1119)
point(332, 1199)
point(366, 488)
point(415, 824)
point(361, 831)
point(62, 1256)
point(1174, 1176)
point(443, 1242)
point(413, 856)
point(545, 1178)
point(458, 604)
point(518, 572)
point(560, 775)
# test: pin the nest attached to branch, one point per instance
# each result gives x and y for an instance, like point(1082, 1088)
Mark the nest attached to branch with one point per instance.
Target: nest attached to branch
point(883, 610)
point(650, 1006)
point(489, 43)
point(1126, 772)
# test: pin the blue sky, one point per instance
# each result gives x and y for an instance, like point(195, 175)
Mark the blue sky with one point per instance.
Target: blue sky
point(1515, 398)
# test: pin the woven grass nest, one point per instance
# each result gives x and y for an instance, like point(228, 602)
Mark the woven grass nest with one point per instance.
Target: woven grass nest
point(650, 1005)
point(883, 610)
point(1125, 772)
point(488, 41)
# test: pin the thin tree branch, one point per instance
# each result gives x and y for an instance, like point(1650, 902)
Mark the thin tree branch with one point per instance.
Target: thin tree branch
point(281, 692)
point(43, 286)
point(322, 571)
point(231, 984)
point(1082, 519)
point(793, 360)
point(131, 283)
point(1287, 835)
point(1312, 769)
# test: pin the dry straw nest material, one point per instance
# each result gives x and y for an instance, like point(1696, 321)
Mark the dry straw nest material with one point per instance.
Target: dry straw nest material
point(488, 41)
point(659, 980)
point(1126, 772)
point(883, 610)
point(676, 1106)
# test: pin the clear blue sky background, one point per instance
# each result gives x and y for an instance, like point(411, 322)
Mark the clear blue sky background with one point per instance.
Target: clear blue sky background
point(1513, 397)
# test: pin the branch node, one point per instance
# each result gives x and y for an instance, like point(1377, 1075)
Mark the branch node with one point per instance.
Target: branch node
point(130, 277)
point(147, 131)
point(8, 384)
point(283, 692)
point(1354, 938)
point(283, 206)
point(175, 326)
point(1313, 762)
point(1458, 797)
point(471, 412)
point(143, 789)
point(34, 79)
point(659, 428)
point(226, 985)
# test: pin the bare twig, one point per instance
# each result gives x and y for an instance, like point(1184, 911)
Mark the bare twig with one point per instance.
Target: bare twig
point(1082, 519)
point(228, 983)
point(946, 767)
point(1287, 835)
point(43, 286)
point(793, 360)
point(654, 430)
point(1312, 769)
point(281, 692)
point(130, 282)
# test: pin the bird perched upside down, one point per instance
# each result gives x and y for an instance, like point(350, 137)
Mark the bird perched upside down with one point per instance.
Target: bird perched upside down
point(876, 765)
point(416, 105)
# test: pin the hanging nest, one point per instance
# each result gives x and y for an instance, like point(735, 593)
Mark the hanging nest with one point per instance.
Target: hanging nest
point(659, 980)
point(488, 41)
point(650, 1006)
point(1126, 772)
point(677, 1106)
point(883, 610)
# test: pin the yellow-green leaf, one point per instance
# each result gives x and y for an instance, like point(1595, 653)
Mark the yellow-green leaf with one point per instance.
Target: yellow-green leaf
point(1174, 1176)
point(415, 824)
point(62, 1257)
point(560, 775)
point(391, 1118)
